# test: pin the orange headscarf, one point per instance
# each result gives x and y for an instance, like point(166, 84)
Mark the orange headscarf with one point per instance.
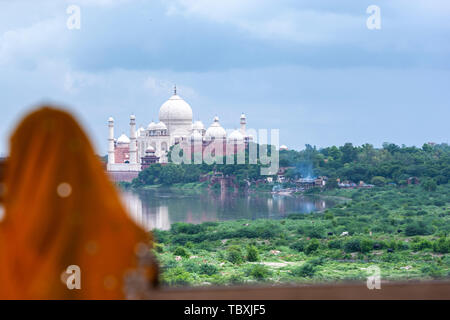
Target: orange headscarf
point(62, 210)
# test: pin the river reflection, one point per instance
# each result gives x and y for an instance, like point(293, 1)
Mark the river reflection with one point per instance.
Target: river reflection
point(160, 208)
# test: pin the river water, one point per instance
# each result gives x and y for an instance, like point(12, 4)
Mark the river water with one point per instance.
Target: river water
point(160, 208)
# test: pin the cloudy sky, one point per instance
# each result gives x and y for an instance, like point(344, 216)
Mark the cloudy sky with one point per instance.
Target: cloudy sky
point(309, 68)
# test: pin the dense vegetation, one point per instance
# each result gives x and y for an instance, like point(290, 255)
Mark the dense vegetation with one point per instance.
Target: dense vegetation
point(171, 174)
point(390, 164)
point(402, 230)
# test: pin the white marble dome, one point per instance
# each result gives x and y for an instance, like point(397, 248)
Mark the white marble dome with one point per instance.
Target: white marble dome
point(198, 125)
point(140, 132)
point(175, 109)
point(151, 126)
point(215, 131)
point(196, 136)
point(236, 135)
point(123, 139)
point(160, 126)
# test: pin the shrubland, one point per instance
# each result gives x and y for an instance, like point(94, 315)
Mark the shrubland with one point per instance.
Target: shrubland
point(405, 231)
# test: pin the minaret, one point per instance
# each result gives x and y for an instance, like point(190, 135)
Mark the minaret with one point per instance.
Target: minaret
point(243, 123)
point(133, 146)
point(111, 158)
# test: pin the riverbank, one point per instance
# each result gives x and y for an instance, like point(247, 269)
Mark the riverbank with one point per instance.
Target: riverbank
point(402, 231)
point(176, 186)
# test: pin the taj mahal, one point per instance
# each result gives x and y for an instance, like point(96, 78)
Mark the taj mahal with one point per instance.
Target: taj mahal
point(150, 145)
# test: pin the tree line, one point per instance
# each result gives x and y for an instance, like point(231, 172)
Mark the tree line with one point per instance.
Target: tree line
point(391, 163)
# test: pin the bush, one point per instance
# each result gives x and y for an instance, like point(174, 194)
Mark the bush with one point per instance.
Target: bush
point(191, 266)
point(378, 181)
point(234, 255)
point(187, 228)
point(305, 270)
point(298, 246)
point(177, 276)
point(252, 254)
point(432, 270)
point(236, 279)
point(328, 215)
point(161, 236)
point(429, 185)
point(312, 246)
point(315, 232)
point(366, 245)
point(181, 239)
point(158, 247)
point(335, 244)
point(182, 252)
point(268, 230)
point(422, 244)
point(208, 269)
point(403, 246)
point(317, 261)
point(442, 245)
point(353, 245)
point(258, 271)
point(417, 228)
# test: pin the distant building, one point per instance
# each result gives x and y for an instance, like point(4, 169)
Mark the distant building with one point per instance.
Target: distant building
point(320, 181)
point(413, 180)
point(149, 158)
point(175, 126)
point(352, 185)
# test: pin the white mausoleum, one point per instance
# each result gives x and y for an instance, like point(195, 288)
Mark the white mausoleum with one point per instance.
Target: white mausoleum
point(175, 126)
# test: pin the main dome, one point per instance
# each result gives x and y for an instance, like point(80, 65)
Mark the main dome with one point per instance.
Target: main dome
point(175, 109)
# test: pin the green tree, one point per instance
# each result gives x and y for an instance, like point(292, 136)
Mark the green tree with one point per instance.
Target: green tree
point(252, 254)
point(305, 270)
point(429, 185)
point(378, 181)
point(234, 255)
point(312, 246)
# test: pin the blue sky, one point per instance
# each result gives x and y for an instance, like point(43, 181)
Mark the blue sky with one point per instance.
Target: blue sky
point(309, 68)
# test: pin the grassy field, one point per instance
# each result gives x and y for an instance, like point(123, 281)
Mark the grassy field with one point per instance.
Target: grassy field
point(403, 231)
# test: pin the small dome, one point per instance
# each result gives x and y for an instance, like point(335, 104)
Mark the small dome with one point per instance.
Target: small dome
point(283, 147)
point(132, 117)
point(196, 136)
point(111, 119)
point(140, 132)
point(123, 139)
point(236, 135)
point(150, 149)
point(151, 126)
point(215, 131)
point(243, 116)
point(198, 125)
point(160, 126)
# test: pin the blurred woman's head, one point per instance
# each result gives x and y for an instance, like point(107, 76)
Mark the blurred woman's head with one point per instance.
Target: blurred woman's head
point(62, 210)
